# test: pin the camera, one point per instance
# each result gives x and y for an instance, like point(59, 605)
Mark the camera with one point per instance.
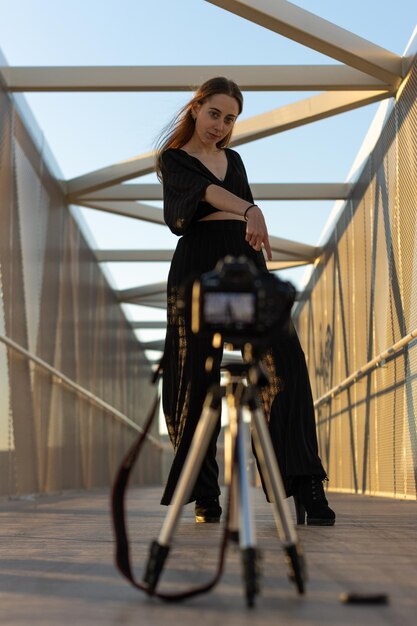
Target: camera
point(241, 302)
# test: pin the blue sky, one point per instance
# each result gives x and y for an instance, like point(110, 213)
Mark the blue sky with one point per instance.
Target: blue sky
point(88, 131)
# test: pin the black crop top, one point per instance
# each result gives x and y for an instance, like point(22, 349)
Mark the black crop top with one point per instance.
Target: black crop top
point(185, 180)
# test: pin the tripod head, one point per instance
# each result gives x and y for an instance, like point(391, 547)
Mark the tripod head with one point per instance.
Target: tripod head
point(254, 372)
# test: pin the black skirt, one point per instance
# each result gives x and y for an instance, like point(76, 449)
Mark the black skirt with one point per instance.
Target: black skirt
point(287, 401)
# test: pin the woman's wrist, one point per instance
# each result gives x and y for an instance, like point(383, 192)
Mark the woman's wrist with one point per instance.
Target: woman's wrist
point(245, 215)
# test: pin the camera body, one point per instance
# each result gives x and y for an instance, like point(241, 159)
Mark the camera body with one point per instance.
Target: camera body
point(240, 302)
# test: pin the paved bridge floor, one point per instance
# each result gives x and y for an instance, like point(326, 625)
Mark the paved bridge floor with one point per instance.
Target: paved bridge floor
point(57, 565)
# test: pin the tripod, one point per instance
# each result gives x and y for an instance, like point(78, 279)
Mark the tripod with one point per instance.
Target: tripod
point(240, 519)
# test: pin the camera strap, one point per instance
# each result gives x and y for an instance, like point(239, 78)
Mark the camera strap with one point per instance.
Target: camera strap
point(122, 552)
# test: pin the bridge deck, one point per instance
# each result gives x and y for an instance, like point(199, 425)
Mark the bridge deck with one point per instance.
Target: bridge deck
point(57, 565)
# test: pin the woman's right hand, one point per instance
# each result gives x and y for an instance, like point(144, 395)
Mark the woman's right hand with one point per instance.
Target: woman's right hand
point(257, 232)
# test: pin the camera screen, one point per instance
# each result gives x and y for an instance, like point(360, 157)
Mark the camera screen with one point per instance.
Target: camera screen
point(229, 308)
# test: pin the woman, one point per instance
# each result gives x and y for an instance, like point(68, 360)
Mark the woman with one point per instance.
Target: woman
point(208, 202)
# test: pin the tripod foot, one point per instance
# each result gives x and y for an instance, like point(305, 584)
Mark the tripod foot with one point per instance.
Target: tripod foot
point(296, 565)
point(251, 572)
point(156, 561)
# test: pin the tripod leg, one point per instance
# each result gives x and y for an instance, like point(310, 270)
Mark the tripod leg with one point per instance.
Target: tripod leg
point(247, 523)
point(205, 428)
point(232, 480)
point(247, 534)
point(276, 493)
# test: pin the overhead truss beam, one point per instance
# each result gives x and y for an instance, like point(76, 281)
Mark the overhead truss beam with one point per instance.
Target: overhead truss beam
point(153, 295)
point(156, 344)
point(302, 112)
point(285, 249)
point(370, 73)
point(261, 191)
point(137, 210)
point(145, 290)
point(285, 265)
point(285, 254)
point(264, 125)
point(127, 256)
point(295, 23)
point(148, 325)
point(117, 173)
point(282, 250)
point(185, 78)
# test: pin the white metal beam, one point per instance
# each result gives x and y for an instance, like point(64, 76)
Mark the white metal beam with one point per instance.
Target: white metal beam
point(123, 256)
point(301, 191)
point(285, 265)
point(308, 29)
point(302, 112)
point(285, 253)
point(282, 250)
point(261, 191)
point(136, 210)
point(279, 120)
point(286, 249)
point(151, 302)
point(149, 295)
point(145, 290)
point(184, 78)
point(112, 174)
point(153, 295)
point(127, 192)
point(156, 325)
point(156, 344)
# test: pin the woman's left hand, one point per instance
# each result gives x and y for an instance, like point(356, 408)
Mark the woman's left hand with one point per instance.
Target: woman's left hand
point(257, 232)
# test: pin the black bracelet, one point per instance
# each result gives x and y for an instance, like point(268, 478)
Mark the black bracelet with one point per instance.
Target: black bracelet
point(246, 211)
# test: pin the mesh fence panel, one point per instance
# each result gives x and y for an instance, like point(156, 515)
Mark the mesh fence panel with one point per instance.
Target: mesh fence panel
point(361, 300)
point(55, 303)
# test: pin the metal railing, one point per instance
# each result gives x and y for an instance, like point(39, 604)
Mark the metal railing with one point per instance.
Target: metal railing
point(365, 369)
point(60, 378)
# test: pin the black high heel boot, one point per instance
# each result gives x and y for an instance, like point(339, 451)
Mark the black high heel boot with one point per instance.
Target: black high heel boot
point(309, 497)
point(208, 510)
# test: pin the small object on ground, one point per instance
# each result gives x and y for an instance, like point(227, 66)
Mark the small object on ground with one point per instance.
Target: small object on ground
point(355, 597)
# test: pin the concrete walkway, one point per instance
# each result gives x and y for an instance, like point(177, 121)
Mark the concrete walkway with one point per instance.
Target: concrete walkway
point(57, 565)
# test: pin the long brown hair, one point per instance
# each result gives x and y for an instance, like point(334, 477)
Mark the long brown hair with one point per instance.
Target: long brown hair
point(180, 130)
